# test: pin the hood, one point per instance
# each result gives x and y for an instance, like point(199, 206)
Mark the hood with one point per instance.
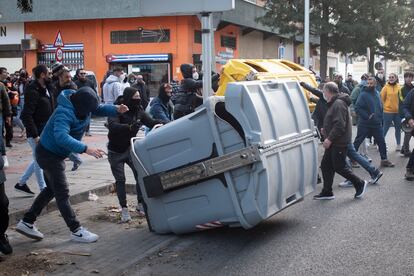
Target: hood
point(391, 85)
point(84, 101)
point(343, 97)
point(126, 98)
point(187, 70)
point(163, 95)
point(112, 78)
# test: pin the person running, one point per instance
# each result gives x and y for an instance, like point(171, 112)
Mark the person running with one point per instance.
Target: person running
point(61, 136)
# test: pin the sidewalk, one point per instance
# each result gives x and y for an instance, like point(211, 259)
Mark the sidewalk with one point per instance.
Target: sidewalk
point(93, 175)
point(118, 249)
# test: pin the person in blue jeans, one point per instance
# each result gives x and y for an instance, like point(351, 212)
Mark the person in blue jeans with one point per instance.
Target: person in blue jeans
point(61, 136)
point(370, 112)
point(37, 109)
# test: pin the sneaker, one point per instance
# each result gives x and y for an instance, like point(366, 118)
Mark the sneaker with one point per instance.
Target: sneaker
point(324, 196)
point(29, 230)
point(361, 190)
point(23, 189)
point(125, 217)
point(398, 148)
point(374, 179)
point(346, 184)
point(75, 166)
point(387, 164)
point(409, 175)
point(83, 235)
point(405, 152)
point(6, 161)
point(5, 246)
point(140, 210)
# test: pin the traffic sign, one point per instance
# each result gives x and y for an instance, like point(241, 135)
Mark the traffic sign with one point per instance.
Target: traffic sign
point(59, 54)
point(58, 40)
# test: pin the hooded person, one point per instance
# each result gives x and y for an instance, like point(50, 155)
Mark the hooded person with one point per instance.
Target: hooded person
point(60, 137)
point(161, 107)
point(122, 128)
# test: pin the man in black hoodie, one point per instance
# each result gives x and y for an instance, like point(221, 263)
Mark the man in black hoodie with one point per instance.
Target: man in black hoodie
point(121, 129)
point(337, 129)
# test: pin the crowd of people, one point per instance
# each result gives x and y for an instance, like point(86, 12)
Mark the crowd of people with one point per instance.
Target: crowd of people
point(373, 105)
point(53, 111)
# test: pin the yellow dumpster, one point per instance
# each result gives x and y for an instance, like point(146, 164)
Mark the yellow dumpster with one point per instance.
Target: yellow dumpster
point(265, 69)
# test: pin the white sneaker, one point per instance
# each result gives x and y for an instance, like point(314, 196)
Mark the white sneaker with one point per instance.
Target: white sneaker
point(125, 217)
point(83, 235)
point(6, 161)
point(140, 210)
point(29, 230)
point(346, 184)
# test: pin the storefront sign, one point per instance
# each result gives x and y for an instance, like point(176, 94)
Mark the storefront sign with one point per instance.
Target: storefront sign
point(67, 47)
point(11, 33)
point(223, 57)
point(138, 58)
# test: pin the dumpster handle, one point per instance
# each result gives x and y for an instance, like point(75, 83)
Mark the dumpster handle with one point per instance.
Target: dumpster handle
point(136, 156)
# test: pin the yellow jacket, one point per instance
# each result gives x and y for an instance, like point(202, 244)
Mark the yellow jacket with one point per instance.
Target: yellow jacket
point(390, 98)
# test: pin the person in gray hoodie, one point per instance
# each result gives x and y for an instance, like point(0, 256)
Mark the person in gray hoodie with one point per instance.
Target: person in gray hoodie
point(113, 88)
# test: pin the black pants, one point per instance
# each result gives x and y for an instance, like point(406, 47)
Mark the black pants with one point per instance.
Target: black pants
point(4, 210)
point(9, 131)
point(117, 162)
point(334, 161)
point(56, 187)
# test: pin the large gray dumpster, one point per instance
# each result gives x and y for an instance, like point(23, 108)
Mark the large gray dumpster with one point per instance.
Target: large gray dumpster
point(236, 161)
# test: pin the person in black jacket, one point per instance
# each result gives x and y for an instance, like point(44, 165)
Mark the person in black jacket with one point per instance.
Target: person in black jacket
point(121, 129)
point(190, 96)
point(81, 81)
point(37, 109)
point(143, 89)
point(5, 247)
point(62, 80)
point(408, 113)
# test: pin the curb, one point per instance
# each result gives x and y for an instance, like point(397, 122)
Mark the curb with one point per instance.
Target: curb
point(14, 217)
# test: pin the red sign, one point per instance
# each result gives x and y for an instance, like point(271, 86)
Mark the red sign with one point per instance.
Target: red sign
point(59, 54)
point(58, 40)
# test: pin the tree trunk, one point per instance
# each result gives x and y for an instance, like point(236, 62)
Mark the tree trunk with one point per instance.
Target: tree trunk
point(371, 60)
point(324, 56)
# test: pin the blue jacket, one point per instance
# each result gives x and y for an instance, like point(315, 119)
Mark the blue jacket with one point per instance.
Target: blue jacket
point(63, 132)
point(161, 111)
point(369, 103)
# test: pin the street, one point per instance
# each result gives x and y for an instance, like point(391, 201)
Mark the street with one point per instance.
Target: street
point(345, 236)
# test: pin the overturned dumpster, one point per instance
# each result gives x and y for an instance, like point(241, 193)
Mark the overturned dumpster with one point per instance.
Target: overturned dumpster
point(236, 161)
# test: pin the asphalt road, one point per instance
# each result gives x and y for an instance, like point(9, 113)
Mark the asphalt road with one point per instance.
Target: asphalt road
point(372, 236)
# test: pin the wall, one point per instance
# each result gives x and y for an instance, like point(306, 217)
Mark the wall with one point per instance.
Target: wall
point(251, 45)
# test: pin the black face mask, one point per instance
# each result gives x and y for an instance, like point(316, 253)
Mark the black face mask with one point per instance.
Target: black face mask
point(48, 81)
point(135, 103)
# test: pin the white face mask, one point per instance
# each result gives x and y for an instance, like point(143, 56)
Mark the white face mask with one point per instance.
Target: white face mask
point(195, 76)
point(380, 76)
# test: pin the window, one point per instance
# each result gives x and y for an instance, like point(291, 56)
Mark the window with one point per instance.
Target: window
point(228, 42)
point(197, 37)
point(140, 36)
point(73, 59)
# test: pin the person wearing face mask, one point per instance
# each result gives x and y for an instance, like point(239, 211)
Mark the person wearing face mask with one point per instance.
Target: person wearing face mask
point(380, 78)
point(61, 136)
point(161, 107)
point(121, 129)
point(337, 129)
point(113, 88)
point(37, 109)
point(144, 91)
point(390, 99)
point(407, 87)
point(370, 112)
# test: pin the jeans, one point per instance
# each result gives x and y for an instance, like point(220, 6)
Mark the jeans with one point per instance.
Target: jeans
point(117, 162)
point(334, 161)
point(56, 187)
point(364, 132)
point(2, 145)
point(4, 210)
point(74, 157)
point(396, 119)
point(33, 168)
point(16, 119)
point(355, 156)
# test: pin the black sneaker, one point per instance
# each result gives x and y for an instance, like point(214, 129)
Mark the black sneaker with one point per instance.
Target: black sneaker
point(324, 196)
point(9, 145)
point(374, 179)
point(5, 246)
point(360, 190)
point(75, 166)
point(23, 189)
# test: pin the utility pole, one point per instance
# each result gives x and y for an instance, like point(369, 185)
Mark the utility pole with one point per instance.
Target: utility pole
point(306, 36)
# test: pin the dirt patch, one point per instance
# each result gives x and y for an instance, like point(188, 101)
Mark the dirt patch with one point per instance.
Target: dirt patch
point(112, 214)
point(38, 262)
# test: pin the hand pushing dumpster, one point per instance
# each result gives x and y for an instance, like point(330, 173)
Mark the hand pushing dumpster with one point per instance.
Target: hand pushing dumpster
point(236, 161)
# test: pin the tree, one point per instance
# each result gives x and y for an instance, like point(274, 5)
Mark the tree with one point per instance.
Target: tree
point(349, 26)
point(25, 6)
